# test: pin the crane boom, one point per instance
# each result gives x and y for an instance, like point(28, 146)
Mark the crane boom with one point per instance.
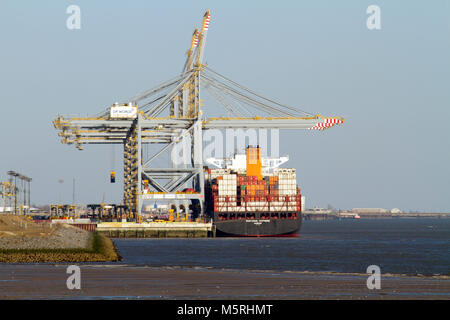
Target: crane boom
point(202, 38)
point(191, 51)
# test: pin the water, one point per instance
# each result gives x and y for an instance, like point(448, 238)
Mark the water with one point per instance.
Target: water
point(398, 246)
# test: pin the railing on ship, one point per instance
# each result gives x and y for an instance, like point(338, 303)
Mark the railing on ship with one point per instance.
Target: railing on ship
point(249, 207)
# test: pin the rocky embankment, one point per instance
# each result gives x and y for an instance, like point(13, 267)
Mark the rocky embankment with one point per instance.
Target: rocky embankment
point(22, 240)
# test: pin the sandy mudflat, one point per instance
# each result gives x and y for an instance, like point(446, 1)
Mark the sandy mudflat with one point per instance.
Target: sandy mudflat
point(127, 282)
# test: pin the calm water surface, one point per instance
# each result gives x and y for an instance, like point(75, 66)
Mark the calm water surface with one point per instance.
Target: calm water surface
point(397, 246)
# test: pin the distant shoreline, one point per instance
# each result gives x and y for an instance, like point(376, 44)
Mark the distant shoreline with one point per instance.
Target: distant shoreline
point(314, 215)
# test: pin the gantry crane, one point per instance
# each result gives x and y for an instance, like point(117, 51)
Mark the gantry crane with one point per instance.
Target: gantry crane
point(6, 195)
point(15, 193)
point(170, 114)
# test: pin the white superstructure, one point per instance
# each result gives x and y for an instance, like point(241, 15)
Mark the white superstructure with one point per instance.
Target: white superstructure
point(238, 163)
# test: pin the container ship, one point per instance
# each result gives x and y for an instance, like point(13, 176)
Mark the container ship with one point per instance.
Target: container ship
point(250, 196)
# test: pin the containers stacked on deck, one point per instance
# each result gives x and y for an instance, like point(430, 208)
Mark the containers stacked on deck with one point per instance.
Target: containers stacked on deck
point(231, 192)
point(244, 201)
point(214, 173)
point(287, 180)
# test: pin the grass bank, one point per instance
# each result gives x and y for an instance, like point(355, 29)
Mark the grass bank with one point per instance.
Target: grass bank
point(100, 248)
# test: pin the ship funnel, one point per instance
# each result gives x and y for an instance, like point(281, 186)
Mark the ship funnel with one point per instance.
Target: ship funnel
point(254, 164)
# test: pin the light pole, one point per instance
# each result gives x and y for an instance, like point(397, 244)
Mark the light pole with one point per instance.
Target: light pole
point(73, 197)
point(22, 191)
point(60, 181)
point(14, 174)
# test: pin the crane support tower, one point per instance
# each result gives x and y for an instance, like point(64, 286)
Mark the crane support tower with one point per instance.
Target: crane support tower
point(15, 193)
point(171, 114)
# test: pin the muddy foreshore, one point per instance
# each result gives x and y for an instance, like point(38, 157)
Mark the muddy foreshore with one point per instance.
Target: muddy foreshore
point(117, 281)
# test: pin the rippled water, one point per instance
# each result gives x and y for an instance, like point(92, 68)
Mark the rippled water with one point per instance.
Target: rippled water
point(397, 246)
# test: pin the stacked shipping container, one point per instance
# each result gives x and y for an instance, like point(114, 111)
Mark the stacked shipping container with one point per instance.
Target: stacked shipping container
point(241, 197)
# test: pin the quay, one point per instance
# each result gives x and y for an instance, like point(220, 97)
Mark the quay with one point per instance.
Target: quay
point(156, 229)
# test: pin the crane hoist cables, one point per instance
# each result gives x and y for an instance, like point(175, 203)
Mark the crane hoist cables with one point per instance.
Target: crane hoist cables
point(249, 100)
point(112, 172)
point(216, 94)
point(237, 100)
point(144, 107)
point(156, 110)
point(159, 87)
point(253, 100)
point(242, 106)
point(149, 92)
point(256, 94)
point(242, 98)
point(245, 98)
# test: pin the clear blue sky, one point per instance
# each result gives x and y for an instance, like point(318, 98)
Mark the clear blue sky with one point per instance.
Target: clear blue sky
point(391, 85)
